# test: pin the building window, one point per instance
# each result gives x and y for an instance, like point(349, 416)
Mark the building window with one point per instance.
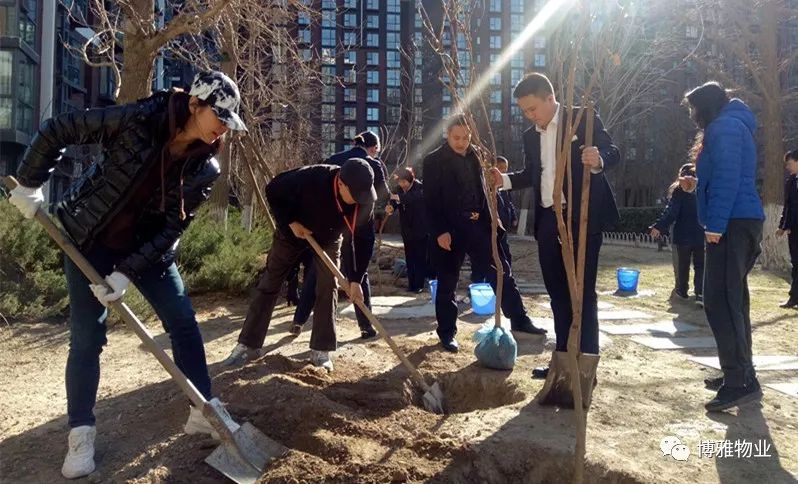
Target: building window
point(495, 6)
point(517, 6)
point(392, 77)
point(350, 76)
point(446, 111)
point(350, 20)
point(394, 114)
point(349, 113)
point(496, 97)
point(392, 40)
point(27, 30)
point(328, 94)
point(393, 6)
point(350, 132)
point(419, 95)
point(350, 57)
point(329, 149)
point(328, 74)
point(540, 42)
point(8, 20)
point(393, 22)
point(373, 77)
point(417, 77)
point(692, 32)
point(393, 59)
point(495, 41)
point(394, 95)
point(350, 3)
point(6, 90)
point(350, 38)
point(517, 61)
point(540, 60)
point(516, 22)
point(373, 95)
point(303, 18)
point(327, 131)
point(372, 4)
point(496, 80)
point(496, 115)
point(372, 39)
point(516, 75)
point(373, 58)
point(328, 37)
point(307, 55)
point(372, 114)
point(350, 95)
point(304, 35)
point(495, 23)
point(372, 21)
point(328, 4)
point(328, 112)
point(26, 94)
point(446, 96)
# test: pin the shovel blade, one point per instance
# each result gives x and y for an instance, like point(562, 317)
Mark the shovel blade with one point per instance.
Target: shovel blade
point(433, 399)
point(244, 460)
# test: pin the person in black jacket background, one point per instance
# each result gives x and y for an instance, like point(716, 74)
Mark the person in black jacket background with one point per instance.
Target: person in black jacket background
point(507, 213)
point(409, 200)
point(459, 221)
point(789, 223)
point(323, 201)
point(688, 234)
point(126, 215)
point(367, 147)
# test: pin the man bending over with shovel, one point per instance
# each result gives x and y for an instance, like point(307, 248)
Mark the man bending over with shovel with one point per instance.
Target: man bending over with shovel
point(322, 201)
point(535, 96)
point(125, 215)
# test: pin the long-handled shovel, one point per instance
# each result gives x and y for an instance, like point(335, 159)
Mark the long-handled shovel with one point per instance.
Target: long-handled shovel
point(245, 450)
point(433, 395)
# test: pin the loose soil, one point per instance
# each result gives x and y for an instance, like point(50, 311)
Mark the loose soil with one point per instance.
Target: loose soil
point(364, 422)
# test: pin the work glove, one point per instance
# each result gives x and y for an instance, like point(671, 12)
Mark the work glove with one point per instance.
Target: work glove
point(118, 283)
point(27, 200)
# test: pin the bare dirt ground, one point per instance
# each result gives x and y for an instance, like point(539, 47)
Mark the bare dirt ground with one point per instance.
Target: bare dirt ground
point(362, 423)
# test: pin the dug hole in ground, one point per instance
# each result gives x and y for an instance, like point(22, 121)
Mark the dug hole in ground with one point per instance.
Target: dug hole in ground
point(364, 421)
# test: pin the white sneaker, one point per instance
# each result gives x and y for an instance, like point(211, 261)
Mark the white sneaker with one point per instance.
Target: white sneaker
point(198, 424)
point(321, 359)
point(240, 355)
point(79, 460)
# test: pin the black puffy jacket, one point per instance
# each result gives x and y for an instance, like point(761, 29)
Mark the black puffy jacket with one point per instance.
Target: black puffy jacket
point(132, 137)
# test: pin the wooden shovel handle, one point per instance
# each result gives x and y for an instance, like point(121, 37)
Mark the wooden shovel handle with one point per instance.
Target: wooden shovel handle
point(130, 319)
point(384, 334)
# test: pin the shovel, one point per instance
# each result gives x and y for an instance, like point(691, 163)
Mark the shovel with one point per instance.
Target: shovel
point(245, 450)
point(433, 395)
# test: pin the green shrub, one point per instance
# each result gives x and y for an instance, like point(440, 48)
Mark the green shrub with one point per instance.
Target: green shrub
point(638, 219)
point(32, 283)
point(212, 259)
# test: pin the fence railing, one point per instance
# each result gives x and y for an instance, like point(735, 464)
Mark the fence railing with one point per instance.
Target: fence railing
point(630, 239)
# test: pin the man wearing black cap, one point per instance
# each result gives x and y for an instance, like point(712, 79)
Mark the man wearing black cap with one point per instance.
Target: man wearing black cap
point(366, 147)
point(324, 201)
point(459, 221)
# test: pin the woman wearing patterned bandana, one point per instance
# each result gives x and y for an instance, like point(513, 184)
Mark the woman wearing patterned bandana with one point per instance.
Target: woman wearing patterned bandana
point(126, 215)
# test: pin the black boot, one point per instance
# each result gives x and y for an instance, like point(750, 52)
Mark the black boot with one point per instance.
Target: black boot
point(729, 396)
point(790, 303)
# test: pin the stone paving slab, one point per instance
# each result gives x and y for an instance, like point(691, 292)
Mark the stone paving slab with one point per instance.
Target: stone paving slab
point(789, 388)
point(761, 362)
point(659, 328)
point(660, 343)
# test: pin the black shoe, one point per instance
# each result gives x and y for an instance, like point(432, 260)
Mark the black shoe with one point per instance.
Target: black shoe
point(540, 373)
point(452, 346)
point(296, 329)
point(527, 327)
point(729, 397)
point(368, 333)
point(678, 295)
point(790, 303)
point(713, 384)
point(699, 300)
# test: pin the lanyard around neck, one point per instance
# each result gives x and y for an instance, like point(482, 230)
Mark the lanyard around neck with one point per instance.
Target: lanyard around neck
point(350, 226)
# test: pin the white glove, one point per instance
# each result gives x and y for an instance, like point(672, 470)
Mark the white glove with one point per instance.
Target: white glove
point(118, 283)
point(27, 200)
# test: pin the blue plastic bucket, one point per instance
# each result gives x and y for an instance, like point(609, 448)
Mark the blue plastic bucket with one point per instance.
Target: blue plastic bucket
point(433, 288)
point(627, 279)
point(483, 301)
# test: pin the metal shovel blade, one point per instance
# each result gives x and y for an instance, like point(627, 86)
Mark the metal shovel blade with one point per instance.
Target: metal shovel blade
point(433, 399)
point(244, 460)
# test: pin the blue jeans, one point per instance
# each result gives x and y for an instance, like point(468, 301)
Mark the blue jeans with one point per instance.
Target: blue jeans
point(163, 288)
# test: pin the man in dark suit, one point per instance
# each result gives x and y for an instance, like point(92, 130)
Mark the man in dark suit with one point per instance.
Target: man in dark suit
point(459, 221)
point(535, 96)
point(789, 223)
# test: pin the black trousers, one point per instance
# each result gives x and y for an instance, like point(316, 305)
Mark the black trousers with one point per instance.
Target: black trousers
point(472, 238)
point(307, 298)
point(685, 254)
point(556, 281)
point(283, 256)
point(727, 300)
point(416, 257)
point(793, 241)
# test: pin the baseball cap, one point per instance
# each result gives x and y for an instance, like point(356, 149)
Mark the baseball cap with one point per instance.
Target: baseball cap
point(218, 90)
point(358, 176)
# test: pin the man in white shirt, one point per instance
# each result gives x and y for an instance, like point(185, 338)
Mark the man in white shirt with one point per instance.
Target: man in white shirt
point(535, 96)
